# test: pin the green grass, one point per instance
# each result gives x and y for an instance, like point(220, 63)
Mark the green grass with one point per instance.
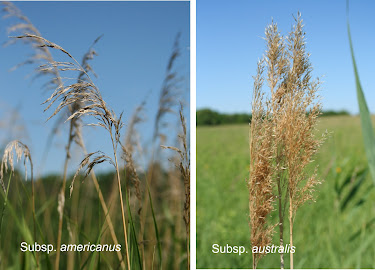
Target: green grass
point(86, 221)
point(337, 231)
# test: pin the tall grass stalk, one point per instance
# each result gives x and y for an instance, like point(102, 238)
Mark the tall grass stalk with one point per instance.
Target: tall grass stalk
point(184, 166)
point(282, 140)
point(87, 93)
point(61, 196)
point(261, 198)
point(78, 138)
point(168, 99)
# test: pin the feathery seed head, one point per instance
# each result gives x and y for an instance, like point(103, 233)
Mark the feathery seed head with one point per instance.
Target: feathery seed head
point(8, 157)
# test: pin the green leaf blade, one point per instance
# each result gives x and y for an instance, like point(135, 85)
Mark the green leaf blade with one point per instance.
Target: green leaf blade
point(367, 129)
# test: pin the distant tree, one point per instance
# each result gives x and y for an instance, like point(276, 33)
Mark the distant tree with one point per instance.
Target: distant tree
point(334, 113)
point(208, 117)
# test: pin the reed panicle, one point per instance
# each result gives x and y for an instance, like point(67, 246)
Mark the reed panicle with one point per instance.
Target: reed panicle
point(130, 167)
point(277, 65)
point(132, 140)
point(282, 139)
point(13, 122)
point(8, 157)
point(41, 52)
point(87, 57)
point(132, 137)
point(170, 90)
point(260, 184)
point(88, 165)
point(303, 107)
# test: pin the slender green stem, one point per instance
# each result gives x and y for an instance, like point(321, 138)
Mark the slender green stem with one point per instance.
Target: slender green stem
point(291, 229)
point(62, 195)
point(281, 222)
point(33, 205)
point(121, 201)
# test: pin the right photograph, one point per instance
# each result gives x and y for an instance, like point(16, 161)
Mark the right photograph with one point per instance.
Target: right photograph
point(285, 135)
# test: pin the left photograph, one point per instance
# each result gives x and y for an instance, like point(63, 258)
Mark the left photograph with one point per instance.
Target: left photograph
point(94, 135)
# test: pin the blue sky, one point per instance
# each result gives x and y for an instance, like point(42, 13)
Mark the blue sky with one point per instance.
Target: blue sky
point(133, 55)
point(229, 43)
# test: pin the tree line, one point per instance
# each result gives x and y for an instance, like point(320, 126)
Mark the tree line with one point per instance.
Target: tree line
point(208, 117)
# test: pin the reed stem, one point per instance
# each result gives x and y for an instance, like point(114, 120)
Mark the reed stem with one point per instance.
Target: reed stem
point(62, 197)
point(122, 204)
point(291, 229)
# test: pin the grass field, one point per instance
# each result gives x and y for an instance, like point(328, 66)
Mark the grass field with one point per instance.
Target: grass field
point(337, 231)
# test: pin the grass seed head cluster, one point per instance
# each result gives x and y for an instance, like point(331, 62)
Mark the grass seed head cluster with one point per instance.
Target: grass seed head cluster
point(282, 140)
